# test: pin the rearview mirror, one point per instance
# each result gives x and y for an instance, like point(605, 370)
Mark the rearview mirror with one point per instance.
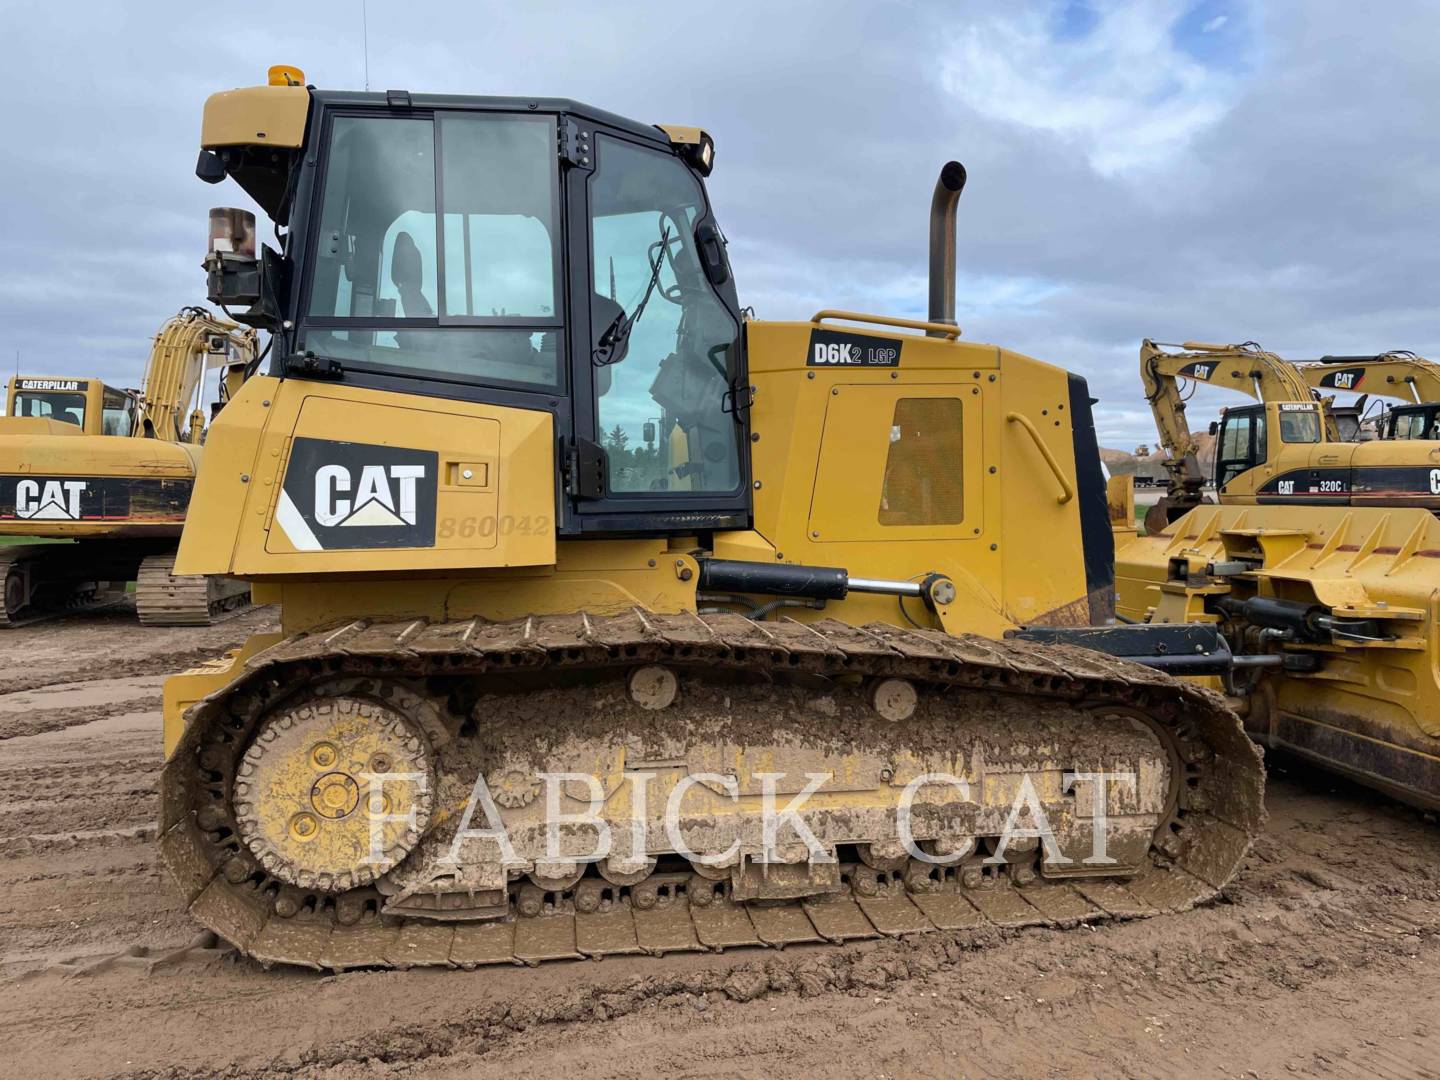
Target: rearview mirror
point(649, 431)
point(1214, 426)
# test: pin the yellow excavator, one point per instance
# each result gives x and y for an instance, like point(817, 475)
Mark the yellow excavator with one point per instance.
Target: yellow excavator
point(1399, 374)
point(1317, 569)
point(582, 573)
point(111, 470)
point(1286, 450)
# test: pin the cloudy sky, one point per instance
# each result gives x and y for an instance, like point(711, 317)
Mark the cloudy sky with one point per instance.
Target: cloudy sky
point(1218, 170)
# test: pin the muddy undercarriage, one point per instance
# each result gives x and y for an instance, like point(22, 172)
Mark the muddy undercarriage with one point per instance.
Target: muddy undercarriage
point(342, 803)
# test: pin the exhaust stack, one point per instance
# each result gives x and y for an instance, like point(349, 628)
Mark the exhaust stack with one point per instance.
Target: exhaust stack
point(942, 243)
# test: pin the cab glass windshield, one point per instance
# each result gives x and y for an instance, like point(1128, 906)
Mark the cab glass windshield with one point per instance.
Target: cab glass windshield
point(1299, 425)
point(67, 408)
point(1421, 423)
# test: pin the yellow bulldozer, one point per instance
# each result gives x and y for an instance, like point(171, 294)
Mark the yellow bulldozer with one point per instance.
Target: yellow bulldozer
point(1317, 569)
point(111, 470)
point(617, 621)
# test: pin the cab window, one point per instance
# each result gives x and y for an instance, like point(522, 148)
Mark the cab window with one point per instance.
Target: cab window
point(67, 408)
point(469, 293)
point(1300, 425)
point(662, 341)
point(1414, 423)
point(118, 417)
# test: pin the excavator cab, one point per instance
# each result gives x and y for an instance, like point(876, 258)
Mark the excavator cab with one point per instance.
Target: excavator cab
point(85, 404)
point(1253, 435)
point(1413, 422)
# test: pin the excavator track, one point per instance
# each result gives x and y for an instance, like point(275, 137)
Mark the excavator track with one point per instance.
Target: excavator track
point(12, 588)
point(165, 598)
point(1214, 808)
point(17, 608)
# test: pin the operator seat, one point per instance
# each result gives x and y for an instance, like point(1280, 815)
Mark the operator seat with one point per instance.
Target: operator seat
point(407, 271)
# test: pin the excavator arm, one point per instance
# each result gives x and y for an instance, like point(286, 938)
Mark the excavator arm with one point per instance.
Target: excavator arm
point(187, 346)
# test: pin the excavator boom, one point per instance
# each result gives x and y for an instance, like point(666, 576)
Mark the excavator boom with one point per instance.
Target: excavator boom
point(187, 347)
point(1399, 375)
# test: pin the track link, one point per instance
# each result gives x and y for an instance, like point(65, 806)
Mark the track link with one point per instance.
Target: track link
point(1217, 813)
point(164, 598)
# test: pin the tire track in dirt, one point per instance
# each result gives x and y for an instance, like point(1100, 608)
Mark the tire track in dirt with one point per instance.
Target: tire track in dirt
point(112, 645)
point(164, 664)
point(43, 720)
point(80, 797)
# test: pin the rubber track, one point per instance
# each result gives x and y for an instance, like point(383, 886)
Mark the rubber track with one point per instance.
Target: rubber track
point(164, 598)
point(1221, 804)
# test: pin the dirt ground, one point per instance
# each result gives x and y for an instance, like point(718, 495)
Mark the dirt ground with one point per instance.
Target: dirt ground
point(1322, 960)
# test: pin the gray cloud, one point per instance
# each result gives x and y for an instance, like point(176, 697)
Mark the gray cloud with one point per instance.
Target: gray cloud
point(1132, 174)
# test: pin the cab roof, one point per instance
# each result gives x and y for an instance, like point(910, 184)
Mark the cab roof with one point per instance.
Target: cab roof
point(401, 99)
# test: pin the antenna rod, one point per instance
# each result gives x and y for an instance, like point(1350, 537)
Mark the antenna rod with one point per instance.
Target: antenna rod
point(365, 38)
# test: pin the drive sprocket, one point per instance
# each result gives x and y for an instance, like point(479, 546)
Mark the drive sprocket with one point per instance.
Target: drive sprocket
point(333, 792)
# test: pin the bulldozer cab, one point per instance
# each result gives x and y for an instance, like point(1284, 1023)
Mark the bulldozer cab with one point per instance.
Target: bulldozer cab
point(445, 248)
point(86, 404)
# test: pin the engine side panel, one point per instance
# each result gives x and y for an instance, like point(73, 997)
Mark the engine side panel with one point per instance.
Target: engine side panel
point(895, 455)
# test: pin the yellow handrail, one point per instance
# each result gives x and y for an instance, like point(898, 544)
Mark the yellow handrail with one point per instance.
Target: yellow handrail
point(1067, 492)
point(951, 332)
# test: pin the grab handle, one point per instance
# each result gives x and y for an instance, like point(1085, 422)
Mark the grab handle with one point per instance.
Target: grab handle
point(941, 329)
point(1067, 492)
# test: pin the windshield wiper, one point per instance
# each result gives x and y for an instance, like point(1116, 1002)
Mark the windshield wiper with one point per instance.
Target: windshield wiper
point(611, 348)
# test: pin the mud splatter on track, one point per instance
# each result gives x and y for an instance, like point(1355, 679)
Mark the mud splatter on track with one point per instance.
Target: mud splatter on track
point(1322, 960)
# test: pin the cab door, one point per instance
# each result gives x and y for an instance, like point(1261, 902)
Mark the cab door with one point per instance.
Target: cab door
point(658, 369)
point(1240, 451)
